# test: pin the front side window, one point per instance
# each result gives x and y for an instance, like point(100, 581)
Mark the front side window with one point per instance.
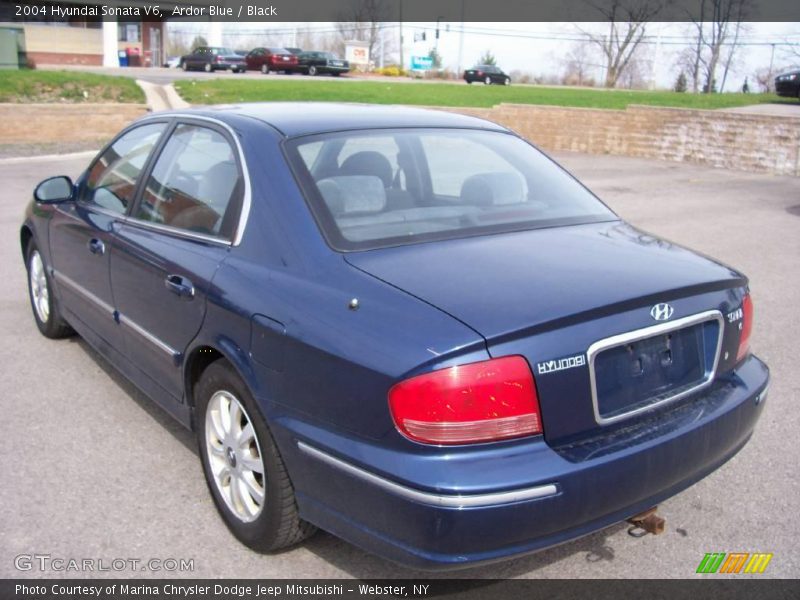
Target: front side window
point(195, 184)
point(374, 189)
point(112, 179)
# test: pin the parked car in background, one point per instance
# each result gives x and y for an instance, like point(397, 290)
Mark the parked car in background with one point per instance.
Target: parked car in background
point(213, 58)
point(271, 59)
point(487, 74)
point(318, 63)
point(172, 62)
point(407, 327)
point(788, 84)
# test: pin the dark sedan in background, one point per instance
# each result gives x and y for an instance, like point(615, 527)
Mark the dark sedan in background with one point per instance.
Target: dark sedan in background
point(788, 84)
point(213, 58)
point(318, 63)
point(271, 59)
point(487, 74)
point(443, 361)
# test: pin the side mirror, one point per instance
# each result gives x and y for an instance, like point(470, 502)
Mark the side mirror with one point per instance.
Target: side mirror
point(54, 190)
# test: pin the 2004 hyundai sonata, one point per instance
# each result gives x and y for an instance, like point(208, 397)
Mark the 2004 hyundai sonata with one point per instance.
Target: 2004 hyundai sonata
point(409, 328)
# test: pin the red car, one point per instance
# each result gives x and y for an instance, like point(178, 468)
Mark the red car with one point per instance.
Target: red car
point(271, 59)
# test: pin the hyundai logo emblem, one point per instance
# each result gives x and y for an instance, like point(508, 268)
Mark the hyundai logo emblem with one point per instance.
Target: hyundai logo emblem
point(661, 312)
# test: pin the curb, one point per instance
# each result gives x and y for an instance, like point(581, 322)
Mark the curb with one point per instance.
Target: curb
point(69, 156)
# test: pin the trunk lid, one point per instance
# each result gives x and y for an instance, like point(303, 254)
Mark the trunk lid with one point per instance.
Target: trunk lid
point(555, 295)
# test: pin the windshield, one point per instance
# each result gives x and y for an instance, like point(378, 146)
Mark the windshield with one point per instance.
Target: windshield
point(372, 189)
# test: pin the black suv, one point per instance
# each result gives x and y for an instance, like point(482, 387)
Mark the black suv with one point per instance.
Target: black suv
point(488, 74)
point(213, 58)
point(788, 84)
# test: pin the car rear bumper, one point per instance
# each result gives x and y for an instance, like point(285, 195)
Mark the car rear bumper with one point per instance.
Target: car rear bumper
point(238, 66)
point(446, 510)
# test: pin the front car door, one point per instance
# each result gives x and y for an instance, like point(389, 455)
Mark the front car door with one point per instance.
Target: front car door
point(179, 232)
point(82, 232)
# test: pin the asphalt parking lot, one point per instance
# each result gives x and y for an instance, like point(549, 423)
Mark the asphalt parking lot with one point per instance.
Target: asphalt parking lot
point(92, 469)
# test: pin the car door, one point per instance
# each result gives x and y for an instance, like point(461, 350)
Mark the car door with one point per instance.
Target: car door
point(255, 59)
point(179, 231)
point(82, 232)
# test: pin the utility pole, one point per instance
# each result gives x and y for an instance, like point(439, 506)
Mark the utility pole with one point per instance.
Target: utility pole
point(402, 64)
point(461, 41)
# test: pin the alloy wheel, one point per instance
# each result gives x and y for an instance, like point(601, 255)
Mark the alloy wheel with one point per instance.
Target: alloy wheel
point(39, 290)
point(234, 456)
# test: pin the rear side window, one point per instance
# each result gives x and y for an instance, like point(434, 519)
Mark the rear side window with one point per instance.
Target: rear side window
point(195, 184)
point(112, 179)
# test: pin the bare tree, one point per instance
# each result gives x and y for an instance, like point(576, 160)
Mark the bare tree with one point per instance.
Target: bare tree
point(578, 65)
point(362, 21)
point(721, 30)
point(627, 21)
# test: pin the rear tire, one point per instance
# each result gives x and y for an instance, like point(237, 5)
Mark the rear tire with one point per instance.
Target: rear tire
point(45, 307)
point(312, 70)
point(265, 69)
point(208, 68)
point(235, 444)
point(507, 81)
point(487, 81)
point(184, 66)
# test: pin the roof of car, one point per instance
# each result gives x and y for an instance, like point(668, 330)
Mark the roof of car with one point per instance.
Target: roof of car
point(304, 118)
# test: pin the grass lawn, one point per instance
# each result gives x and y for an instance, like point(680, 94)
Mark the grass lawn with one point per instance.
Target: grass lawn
point(67, 86)
point(220, 91)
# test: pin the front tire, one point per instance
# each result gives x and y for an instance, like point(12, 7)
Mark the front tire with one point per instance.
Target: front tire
point(45, 308)
point(208, 68)
point(184, 66)
point(312, 70)
point(487, 81)
point(265, 69)
point(507, 81)
point(243, 467)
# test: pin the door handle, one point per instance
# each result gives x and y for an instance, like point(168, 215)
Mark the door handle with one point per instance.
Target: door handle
point(97, 246)
point(180, 286)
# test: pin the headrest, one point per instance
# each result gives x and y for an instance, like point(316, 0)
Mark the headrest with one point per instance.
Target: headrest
point(368, 162)
point(353, 194)
point(493, 189)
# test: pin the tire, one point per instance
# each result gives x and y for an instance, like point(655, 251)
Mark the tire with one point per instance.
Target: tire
point(469, 82)
point(184, 66)
point(265, 69)
point(312, 70)
point(487, 81)
point(44, 304)
point(208, 68)
point(274, 523)
point(507, 81)
point(336, 74)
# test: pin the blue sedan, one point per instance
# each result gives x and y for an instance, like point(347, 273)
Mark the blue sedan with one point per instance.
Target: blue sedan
point(409, 328)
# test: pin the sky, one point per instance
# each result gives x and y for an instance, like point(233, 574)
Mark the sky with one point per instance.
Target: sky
point(539, 48)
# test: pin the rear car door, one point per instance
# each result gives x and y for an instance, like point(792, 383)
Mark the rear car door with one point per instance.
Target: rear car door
point(179, 231)
point(255, 59)
point(82, 232)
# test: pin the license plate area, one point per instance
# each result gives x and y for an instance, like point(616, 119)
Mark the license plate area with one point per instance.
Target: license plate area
point(640, 370)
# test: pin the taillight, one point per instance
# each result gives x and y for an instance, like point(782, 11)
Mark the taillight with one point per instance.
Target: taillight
point(479, 402)
point(218, 59)
point(747, 328)
point(480, 73)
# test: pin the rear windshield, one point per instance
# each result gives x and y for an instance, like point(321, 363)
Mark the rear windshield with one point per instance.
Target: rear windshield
point(373, 189)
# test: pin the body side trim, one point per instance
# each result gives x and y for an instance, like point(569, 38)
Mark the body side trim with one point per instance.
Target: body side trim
point(441, 500)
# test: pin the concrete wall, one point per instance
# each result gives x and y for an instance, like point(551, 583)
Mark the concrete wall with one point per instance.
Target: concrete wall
point(50, 123)
point(715, 138)
point(46, 44)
